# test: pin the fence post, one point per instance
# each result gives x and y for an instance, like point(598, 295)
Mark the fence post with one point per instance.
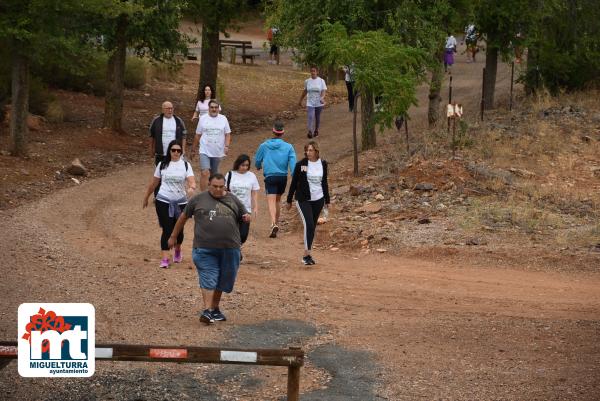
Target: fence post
point(449, 100)
point(512, 80)
point(293, 388)
point(483, 94)
point(354, 138)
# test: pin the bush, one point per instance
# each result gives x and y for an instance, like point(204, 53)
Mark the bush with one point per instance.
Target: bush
point(55, 112)
point(91, 74)
point(39, 96)
point(135, 72)
point(166, 72)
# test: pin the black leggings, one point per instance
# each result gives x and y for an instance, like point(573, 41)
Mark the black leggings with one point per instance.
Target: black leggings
point(244, 230)
point(309, 212)
point(167, 224)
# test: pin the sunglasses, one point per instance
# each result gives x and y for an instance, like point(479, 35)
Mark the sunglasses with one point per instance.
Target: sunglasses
point(176, 150)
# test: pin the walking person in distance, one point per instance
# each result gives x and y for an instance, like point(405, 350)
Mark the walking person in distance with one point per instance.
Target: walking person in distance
point(314, 91)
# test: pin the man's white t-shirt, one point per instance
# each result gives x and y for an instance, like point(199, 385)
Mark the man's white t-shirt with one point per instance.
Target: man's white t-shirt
point(242, 185)
point(169, 129)
point(314, 176)
point(213, 131)
point(172, 180)
point(314, 87)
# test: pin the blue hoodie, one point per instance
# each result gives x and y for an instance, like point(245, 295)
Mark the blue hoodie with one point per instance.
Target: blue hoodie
point(276, 156)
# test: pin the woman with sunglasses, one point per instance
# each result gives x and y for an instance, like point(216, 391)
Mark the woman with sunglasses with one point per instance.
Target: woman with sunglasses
point(244, 185)
point(173, 175)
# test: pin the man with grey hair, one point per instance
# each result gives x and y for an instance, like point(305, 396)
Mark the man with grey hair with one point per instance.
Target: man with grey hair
point(165, 128)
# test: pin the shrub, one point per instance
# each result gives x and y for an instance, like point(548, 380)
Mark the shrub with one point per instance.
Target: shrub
point(39, 96)
point(55, 112)
point(166, 72)
point(135, 72)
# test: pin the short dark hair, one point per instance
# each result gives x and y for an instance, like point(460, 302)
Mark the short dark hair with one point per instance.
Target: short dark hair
point(213, 101)
point(240, 159)
point(216, 176)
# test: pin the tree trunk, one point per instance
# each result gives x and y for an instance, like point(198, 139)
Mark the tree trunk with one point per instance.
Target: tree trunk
point(209, 57)
point(368, 137)
point(435, 97)
point(491, 66)
point(532, 77)
point(113, 104)
point(20, 104)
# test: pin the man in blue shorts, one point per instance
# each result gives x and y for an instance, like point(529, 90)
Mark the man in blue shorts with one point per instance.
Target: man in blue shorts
point(276, 157)
point(216, 248)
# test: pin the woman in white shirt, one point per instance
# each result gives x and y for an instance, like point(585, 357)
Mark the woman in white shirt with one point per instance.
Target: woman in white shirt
point(314, 90)
point(202, 103)
point(244, 185)
point(449, 50)
point(311, 190)
point(173, 175)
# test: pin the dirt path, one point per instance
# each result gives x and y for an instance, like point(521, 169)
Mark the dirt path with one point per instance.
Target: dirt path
point(376, 327)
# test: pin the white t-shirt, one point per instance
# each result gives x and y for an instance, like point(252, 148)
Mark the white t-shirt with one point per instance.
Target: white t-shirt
point(314, 87)
point(202, 107)
point(314, 175)
point(450, 42)
point(242, 185)
point(172, 184)
point(168, 132)
point(213, 131)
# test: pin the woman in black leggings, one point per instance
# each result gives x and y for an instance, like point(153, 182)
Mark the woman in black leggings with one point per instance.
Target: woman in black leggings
point(175, 182)
point(309, 185)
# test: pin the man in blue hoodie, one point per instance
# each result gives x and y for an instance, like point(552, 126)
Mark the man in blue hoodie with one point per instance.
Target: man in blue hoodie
point(276, 157)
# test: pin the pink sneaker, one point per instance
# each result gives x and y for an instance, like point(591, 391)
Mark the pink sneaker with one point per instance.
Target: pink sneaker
point(164, 263)
point(178, 257)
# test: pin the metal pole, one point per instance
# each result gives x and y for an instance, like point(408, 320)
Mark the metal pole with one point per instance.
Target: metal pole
point(449, 100)
point(512, 80)
point(406, 133)
point(354, 139)
point(453, 137)
point(483, 94)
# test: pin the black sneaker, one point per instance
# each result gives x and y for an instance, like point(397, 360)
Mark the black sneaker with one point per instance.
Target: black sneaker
point(218, 316)
point(308, 260)
point(206, 317)
point(309, 135)
point(274, 229)
point(316, 134)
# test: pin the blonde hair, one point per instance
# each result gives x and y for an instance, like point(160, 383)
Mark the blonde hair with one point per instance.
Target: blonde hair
point(315, 146)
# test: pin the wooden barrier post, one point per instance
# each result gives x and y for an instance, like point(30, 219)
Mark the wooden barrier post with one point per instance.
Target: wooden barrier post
point(293, 357)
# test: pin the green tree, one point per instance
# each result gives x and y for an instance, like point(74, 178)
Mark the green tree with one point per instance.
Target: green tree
point(216, 16)
point(564, 45)
point(382, 67)
point(501, 23)
point(147, 27)
point(34, 31)
point(424, 24)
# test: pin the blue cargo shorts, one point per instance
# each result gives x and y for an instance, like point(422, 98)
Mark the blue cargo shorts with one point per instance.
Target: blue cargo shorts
point(217, 267)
